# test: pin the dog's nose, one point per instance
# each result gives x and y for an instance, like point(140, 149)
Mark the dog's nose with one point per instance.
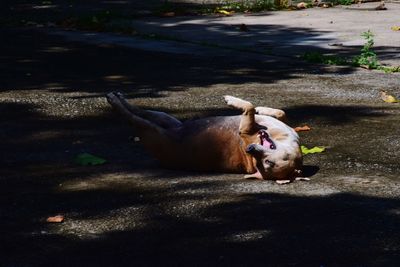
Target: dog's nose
point(250, 148)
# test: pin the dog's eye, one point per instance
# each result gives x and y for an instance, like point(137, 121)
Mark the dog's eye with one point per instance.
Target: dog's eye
point(270, 163)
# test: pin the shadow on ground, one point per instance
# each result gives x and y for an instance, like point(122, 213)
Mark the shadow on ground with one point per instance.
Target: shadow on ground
point(33, 60)
point(149, 216)
point(255, 229)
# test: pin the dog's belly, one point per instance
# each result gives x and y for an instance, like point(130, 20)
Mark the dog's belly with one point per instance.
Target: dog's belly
point(210, 144)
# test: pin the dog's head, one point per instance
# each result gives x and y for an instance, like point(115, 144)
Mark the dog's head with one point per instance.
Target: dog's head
point(276, 158)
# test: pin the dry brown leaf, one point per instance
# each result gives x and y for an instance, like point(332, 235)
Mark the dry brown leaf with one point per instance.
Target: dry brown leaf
point(168, 14)
point(381, 6)
point(301, 5)
point(365, 67)
point(55, 219)
point(302, 128)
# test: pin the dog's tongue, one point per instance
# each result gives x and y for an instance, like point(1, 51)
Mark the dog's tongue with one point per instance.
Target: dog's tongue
point(265, 142)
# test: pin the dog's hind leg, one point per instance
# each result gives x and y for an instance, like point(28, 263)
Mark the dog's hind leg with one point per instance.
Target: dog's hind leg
point(248, 124)
point(158, 140)
point(139, 123)
point(162, 119)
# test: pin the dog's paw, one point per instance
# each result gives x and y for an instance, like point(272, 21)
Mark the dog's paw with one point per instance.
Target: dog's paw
point(235, 101)
point(238, 103)
point(112, 98)
point(273, 112)
point(260, 111)
point(230, 100)
point(119, 94)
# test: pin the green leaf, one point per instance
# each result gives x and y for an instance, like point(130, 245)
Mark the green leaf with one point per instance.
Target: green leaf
point(85, 159)
point(316, 149)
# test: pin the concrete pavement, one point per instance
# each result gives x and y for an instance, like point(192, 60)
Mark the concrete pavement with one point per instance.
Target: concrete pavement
point(288, 33)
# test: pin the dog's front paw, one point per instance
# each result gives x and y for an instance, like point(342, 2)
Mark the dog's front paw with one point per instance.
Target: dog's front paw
point(230, 100)
point(273, 112)
point(235, 102)
point(113, 98)
point(238, 103)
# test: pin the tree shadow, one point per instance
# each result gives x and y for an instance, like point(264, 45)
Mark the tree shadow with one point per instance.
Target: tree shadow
point(255, 229)
point(280, 229)
point(334, 114)
point(35, 60)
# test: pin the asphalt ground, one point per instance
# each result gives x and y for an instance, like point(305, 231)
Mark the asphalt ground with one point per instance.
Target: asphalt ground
point(129, 211)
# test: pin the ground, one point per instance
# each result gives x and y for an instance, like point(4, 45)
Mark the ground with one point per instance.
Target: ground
point(130, 211)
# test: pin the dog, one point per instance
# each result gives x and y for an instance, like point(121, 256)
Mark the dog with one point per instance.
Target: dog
point(257, 143)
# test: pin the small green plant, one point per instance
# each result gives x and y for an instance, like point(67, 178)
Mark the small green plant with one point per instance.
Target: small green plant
point(389, 69)
point(248, 6)
point(343, 2)
point(368, 57)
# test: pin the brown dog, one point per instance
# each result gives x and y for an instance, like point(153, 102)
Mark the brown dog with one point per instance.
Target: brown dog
point(260, 145)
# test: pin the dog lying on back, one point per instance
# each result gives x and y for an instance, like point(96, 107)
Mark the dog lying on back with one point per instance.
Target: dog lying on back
point(257, 143)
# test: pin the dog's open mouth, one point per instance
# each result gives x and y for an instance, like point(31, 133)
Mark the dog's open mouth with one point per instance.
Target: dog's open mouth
point(265, 140)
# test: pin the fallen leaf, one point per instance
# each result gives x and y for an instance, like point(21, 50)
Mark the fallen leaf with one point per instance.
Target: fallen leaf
point(224, 12)
point(302, 128)
point(85, 159)
point(168, 14)
point(381, 6)
point(388, 98)
point(316, 149)
point(368, 67)
point(395, 28)
point(301, 5)
point(55, 219)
